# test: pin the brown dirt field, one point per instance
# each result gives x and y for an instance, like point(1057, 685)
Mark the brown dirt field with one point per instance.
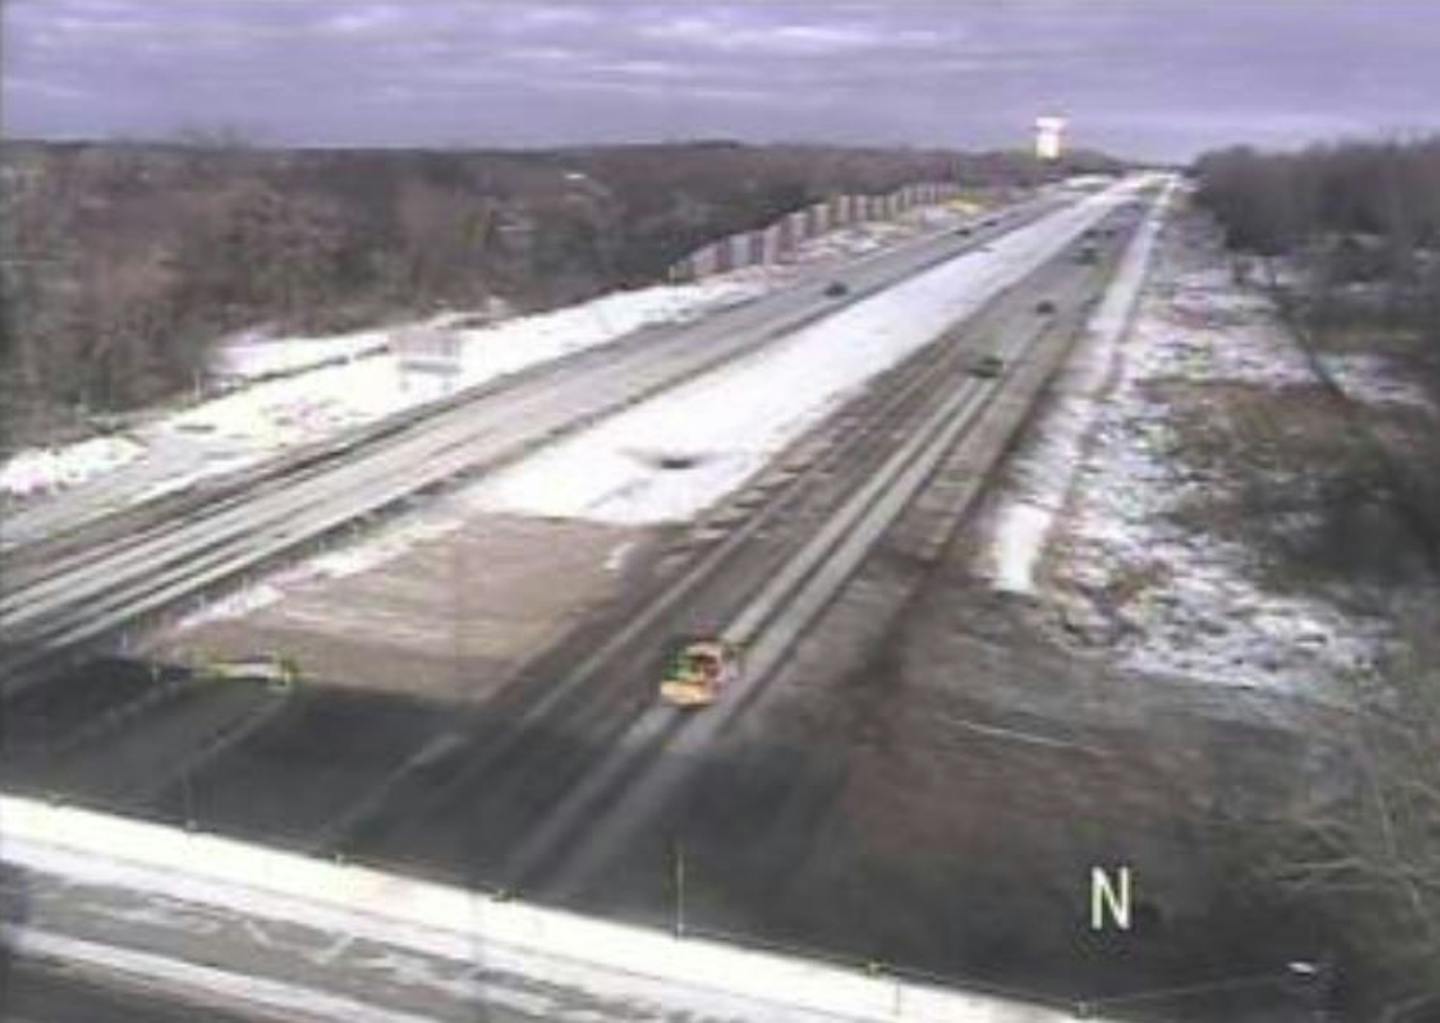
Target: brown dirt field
point(515, 583)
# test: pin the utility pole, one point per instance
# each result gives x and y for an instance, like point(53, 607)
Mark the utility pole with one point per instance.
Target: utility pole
point(678, 857)
point(457, 611)
point(188, 796)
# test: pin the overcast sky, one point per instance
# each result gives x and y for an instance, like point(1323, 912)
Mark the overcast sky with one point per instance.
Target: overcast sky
point(1148, 78)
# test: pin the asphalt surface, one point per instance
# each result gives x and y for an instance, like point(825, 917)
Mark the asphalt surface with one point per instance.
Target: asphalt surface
point(129, 946)
point(407, 781)
point(81, 511)
point(71, 600)
point(403, 782)
point(40, 991)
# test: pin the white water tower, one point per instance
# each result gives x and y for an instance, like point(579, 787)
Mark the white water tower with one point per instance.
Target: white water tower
point(1048, 137)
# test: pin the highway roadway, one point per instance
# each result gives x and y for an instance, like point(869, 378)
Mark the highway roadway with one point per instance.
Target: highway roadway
point(409, 782)
point(542, 788)
point(40, 991)
point(553, 781)
point(71, 600)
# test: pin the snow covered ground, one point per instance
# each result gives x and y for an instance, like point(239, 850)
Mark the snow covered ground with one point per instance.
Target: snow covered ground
point(1371, 379)
point(293, 390)
point(207, 905)
point(242, 427)
point(1026, 521)
point(346, 559)
point(672, 456)
point(715, 431)
point(254, 355)
point(44, 470)
point(279, 413)
point(1119, 569)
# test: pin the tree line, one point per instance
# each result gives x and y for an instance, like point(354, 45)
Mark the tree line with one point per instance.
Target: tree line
point(125, 261)
point(1356, 225)
point(1351, 213)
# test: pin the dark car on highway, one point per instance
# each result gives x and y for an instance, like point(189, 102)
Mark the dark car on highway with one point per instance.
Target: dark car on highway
point(836, 288)
point(987, 366)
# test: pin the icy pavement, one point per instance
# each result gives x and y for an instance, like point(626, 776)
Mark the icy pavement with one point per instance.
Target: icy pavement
point(1118, 568)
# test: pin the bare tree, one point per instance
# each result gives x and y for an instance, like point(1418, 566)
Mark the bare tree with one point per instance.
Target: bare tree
point(1372, 859)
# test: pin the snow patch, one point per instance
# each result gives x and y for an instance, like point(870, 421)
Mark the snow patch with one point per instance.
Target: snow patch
point(1019, 539)
point(234, 605)
point(204, 982)
point(176, 484)
point(43, 470)
point(253, 354)
point(615, 560)
point(346, 559)
point(743, 413)
point(385, 546)
point(1371, 380)
point(276, 414)
point(651, 971)
point(1124, 574)
point(299, 389)
point(1022, 526)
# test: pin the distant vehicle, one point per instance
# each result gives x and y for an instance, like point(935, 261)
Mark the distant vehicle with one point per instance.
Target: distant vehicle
point(836, 288)
point(699, 672)
point(963, 232)
point(1045, 307)
point(1088, 254)
point(987, 366)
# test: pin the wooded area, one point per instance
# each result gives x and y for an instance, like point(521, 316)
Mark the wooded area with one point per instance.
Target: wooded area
point(124, 262)
point(1350, 237)
point(1355, 213)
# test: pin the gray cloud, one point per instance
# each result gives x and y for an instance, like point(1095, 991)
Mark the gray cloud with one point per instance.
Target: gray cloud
point(1149, 77)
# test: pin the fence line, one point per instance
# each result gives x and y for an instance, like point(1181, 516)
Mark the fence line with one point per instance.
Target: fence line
point(775, 242)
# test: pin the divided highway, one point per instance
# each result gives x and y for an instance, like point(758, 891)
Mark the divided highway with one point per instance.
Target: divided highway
point(75, 601)
point(546, 788)
point(539, 788)
point(584, 695)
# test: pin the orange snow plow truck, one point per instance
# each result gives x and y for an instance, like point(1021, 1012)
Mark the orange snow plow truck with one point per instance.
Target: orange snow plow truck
point(698, 672)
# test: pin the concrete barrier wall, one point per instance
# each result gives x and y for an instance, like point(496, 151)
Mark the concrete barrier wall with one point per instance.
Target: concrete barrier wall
point(447, 921)
point(774, 244)
point(755, 248)
point(776, 241)
point(817, 219)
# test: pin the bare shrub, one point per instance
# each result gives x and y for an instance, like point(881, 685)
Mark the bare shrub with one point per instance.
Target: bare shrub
point(1372, 857)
